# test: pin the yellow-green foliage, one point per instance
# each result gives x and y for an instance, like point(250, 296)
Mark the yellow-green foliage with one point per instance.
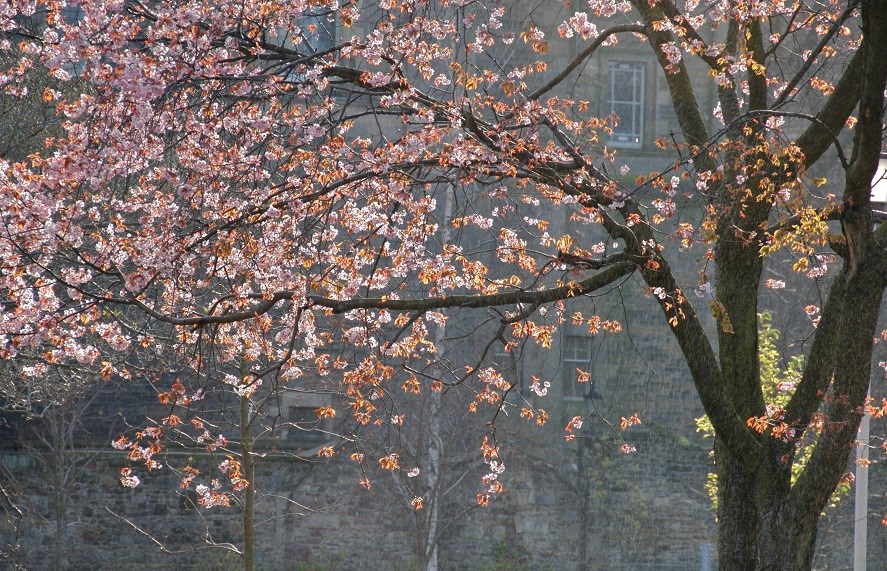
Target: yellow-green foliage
point(778, 384)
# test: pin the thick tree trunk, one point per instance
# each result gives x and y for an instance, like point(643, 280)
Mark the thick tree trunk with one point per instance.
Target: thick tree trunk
point(738, 516)
point(764, 522)
point(757, 527)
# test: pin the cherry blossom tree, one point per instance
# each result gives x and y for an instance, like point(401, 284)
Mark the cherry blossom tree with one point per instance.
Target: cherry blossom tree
point(236, 180)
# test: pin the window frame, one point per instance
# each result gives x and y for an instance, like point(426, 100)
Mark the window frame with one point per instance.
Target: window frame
point(305, 428)
point(621, 138)
point(571, 389)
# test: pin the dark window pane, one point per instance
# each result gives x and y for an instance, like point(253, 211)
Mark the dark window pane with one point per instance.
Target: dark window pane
point(626, 100)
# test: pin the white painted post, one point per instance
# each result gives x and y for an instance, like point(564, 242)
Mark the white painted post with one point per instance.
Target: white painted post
point(861, 498)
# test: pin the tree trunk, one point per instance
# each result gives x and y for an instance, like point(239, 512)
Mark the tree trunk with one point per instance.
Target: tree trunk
point(738, 516)
point(434, 467)
point(249, 493)
point(58, 459)
point(433, 478)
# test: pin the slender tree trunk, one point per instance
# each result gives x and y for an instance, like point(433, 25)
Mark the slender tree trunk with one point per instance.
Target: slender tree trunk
point(249, 493)
point(59, 531)
point(60, 501)
point(433, 481)
point(435, 445)
point(433, 466)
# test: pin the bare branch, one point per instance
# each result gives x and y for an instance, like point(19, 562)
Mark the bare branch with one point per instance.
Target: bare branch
point(583, 55)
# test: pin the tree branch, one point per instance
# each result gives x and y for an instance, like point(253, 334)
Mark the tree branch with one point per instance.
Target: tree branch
point(834, 113)
point(844, 354)
point(790, 86)
point(680, 86)
point(265, 306)
point(583, 55)
point(820, 363)
point(575, 289)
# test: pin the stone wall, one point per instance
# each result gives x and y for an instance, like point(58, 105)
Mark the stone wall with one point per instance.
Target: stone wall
point(535, 524)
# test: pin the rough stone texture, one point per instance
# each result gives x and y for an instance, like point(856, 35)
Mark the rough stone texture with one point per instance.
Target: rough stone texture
point(532, 524)
point(646, 511)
